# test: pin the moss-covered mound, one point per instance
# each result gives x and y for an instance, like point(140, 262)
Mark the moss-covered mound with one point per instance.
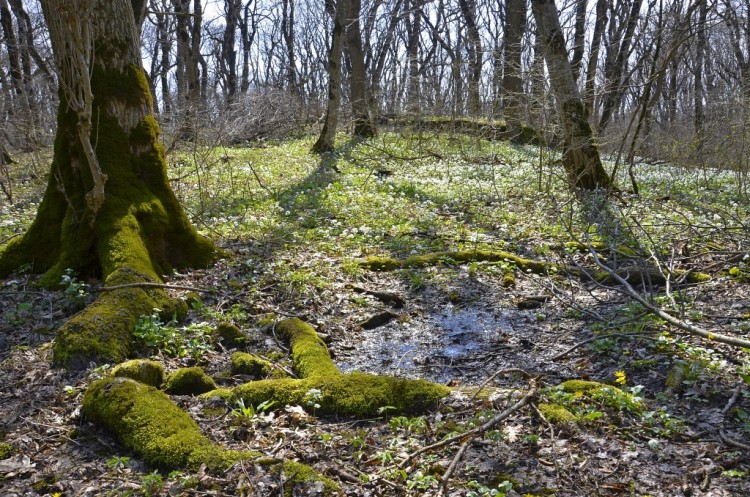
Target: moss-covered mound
point(189, 381)
point(142, 370)
point(324, 389)
point(146, 421)
point(244, 363)
point(231, 335)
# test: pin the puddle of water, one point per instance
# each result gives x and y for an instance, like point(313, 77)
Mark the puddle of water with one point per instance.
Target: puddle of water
point(429, 346)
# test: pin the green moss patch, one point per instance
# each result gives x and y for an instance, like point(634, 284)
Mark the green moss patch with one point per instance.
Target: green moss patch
point(231, 335)
point(146, 421)
point(6, 450)
point(244, 363)
point(141, 370)
point(557, 414)
point(189, 381)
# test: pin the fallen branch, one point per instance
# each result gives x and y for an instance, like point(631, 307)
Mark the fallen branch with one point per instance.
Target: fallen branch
point(600, 337)
point(628, 290)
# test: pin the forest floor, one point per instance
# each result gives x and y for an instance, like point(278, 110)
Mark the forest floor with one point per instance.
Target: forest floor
point(295, 229)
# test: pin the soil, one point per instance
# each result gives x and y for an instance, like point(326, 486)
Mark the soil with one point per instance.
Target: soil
point(457, 328)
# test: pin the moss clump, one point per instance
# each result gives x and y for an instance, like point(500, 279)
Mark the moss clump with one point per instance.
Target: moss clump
point(144, 371)
point(231, 335)
point(557, 414)
point(583, 386)
point(244, 363)
point(189, 381)
point(6, 450)
point(146, 421)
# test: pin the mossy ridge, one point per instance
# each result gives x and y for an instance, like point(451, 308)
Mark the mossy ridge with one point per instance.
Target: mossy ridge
point(557, 414)
point(633, 275)
point(244, 363)
point(375, 263)
point(146, 421)
point(354, 394)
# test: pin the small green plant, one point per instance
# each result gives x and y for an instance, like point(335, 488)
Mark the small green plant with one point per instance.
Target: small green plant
point(248, 412)
point(74, 291)
point(152, 484)
point(312, 399)
point(420, 481)
point(417, 425)
point(193, 340)
point(118, 463)
point(479, 490)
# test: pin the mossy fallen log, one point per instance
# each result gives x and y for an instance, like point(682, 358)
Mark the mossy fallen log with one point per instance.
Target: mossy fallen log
point(375, 263)
point(322, 388)
point(633, 274)
point(146, 421)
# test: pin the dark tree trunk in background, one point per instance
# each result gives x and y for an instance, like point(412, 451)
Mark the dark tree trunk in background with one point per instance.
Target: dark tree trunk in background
point(580, 156)
point(325, 142)
point(364, 126)
point(287, 30)
point(512, 92)
point(228, 63)
point(596, 42)
point(469, 12)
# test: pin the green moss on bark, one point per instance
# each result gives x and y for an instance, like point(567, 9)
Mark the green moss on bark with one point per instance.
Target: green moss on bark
point(139, 233)
point(141, 370)
point(147, 422)
point(244, 363)
point(189, 381)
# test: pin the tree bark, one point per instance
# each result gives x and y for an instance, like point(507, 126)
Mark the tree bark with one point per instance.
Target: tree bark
point(325, 142)
point(139, 231)
point(364, 126)
point(469, 12)
point(580, 155)
point(512, 92)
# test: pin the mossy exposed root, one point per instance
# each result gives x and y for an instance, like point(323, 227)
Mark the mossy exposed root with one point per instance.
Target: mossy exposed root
point(633, 274)
point(146, 421)
point(322, 388)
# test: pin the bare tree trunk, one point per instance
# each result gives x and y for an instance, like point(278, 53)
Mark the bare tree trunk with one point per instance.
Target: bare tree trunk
point(579, 38)
point(596, 41)
point(413, 19)
point(614, 86)
point(469, 12)
point(364, 126)
point(138, 231)
point(228, 63)
point(700, 50)
point(325, 142)
point(287, 30)
point(515, 25)
point(580, 156)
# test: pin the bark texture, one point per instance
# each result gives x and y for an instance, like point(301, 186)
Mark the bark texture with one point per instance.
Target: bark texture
point(139, 231)
point(580, 155)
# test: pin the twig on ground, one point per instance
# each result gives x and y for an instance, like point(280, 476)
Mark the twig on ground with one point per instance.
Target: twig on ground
point(478, 430)
point(600, 337)
point(733, 399)
point(452, 467)
point(628, 290)
point(495, 375)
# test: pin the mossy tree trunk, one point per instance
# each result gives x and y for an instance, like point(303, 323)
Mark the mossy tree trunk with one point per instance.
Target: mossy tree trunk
point(139, 232)
point(580, 155)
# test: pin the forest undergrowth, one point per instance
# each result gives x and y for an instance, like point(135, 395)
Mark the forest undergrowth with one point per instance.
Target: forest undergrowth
point(659, 411)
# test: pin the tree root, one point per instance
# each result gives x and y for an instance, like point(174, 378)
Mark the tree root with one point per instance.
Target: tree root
point(322, 388)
